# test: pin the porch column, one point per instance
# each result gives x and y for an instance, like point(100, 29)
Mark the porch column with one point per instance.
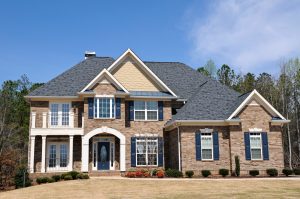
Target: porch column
point(71, 138)
point(33, 117)
point(84, 155)
point(43, 166)
point(44, 120)
point(32, 146)
point(122, 157)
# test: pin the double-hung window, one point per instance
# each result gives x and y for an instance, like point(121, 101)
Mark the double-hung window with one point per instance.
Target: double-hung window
point(104, 107)
point(59, 114)
point(206, 146)
point(146, 110)
point(255, 146)
point(57, 156)
point(146, 151)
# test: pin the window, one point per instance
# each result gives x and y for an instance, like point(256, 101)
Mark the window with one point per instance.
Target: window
point(255, 146)
point(57, 155)
point(145, 110)
point(206, 146)
point(59, 114)
point(146, 151)
point(104, 107)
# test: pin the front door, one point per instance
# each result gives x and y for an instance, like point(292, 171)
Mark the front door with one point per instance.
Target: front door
point(103, 155)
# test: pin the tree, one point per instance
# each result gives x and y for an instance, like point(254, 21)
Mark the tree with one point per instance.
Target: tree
point(226, 75)
point(209, 69)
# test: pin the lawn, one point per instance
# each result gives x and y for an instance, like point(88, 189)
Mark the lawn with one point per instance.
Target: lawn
point(163, 188)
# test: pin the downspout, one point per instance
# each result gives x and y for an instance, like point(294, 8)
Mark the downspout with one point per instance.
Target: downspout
point(179, 149)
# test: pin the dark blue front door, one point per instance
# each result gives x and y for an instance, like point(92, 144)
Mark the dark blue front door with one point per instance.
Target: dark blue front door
point(103, 155)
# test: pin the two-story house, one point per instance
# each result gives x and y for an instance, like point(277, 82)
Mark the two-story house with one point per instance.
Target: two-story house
point(111, 115)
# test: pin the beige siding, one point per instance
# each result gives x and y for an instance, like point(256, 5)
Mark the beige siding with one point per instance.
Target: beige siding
point(133, 78)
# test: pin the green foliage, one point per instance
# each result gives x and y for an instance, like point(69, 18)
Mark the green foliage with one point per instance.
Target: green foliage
point(297, 171)
point(68, 177)
point(73, 174)
point(254, 172)
point(224, 172)
point(82, 176)
point(51, 180)
point(226, 75)
point(22, 178)
point(42, 180)
point(272, 172)
point(62, 176)
point(287, 171)
point(205, 173)
point(189, 173)
point(237, 165)
point(174, 173)
point(209, 69)
point(154, 172)
point(56, 178)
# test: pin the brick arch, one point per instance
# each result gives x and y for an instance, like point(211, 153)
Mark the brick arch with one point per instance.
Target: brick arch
point(102, 130)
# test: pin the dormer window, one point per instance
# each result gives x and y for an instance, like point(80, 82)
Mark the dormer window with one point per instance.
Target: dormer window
point(104, 107)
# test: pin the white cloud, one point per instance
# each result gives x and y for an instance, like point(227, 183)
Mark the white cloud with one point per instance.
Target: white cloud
point(247, 35)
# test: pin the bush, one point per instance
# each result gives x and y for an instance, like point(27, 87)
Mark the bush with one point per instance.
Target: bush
point(68, 177)
point(160, 174)
point(73, 174)
point(42, 180)
point(189, 173)
point(50, 180)
point(62, 176)
point(237, 165)
point(272, 172)
point(174, 173)
point(22, 178)
point(205, 173)
point(297, 171)
point(56, 178)
point(82, 176)
point(287, 171)
point(254, 173)
point(130, 174)
point(224, 172)
point(154, 172)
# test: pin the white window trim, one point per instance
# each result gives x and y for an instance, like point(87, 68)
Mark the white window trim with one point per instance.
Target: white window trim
point(59, 124)
point(110, 103)
point(111, 141)
point(145, 140)
point(212, 145)
point(58, 167)
point(261, 151)
point(145, 110)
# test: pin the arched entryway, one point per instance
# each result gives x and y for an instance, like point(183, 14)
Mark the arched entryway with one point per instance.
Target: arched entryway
point(98, 131)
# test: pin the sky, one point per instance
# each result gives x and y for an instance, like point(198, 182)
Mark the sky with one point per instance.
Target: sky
point(44, 38)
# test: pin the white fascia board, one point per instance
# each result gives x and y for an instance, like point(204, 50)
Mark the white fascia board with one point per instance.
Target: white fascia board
point(129, 51)
point(56, 131)
point(102, 73)
point(265, 103)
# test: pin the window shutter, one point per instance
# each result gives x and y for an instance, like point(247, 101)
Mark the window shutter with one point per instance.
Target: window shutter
point(160, 152)
point(160, 110)
point(118, 108)
point(133, 151)
point(90, 108)
point(198, 145)
point(247, 146)
point(131, 110)
point(265, 146)
point(216, 145)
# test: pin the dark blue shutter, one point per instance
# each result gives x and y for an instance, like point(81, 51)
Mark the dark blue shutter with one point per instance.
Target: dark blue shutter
point(198, 145)
point(91, 108)
point(216, 145)
point(133, 151)
point(118, 108)
point(160, 152)
point(131, 110)
point(160, 111)
point(265, 146)
point(247, 146)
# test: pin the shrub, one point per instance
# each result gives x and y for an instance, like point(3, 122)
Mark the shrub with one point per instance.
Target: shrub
point(297, 171)
point(174, 173)
point(189, 173)
point(146, 174)
point(287, 171)
point(68, 177)
point(154, 172)
point(205, 173)
point(50, 180)
point(62, 176)
point(272, 172)
point(254, 172)
point(42, 180)
point(138, 174)
point(224, 172)
point(56, 178)
point(22, 178)
point(237, 165)
point(73, 174)
point(130, 174)
point(85, 176)
point(82, 176)
point(160, 174)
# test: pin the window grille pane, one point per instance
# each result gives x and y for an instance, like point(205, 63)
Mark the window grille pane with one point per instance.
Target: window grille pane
point(63, 155)
point(113, 107)
point(152, 147)
point(206, 142)
point(65, 114)
point(139, 115)
point(151, 115)
point(141, 159)
point(52, 156)
point(206, 154)
point(256, 153)
point(54, 114)
point(152, 159)
point(141, 147)
point(104, 107)
point(139, 105)
point(152, 105)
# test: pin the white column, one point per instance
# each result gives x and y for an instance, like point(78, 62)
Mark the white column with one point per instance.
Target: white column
point(44, 120)
point(32, 146)
point(84, 155)
point(71, 122)
point(122, 157)
point(33, 117)
point(71, 138)
point(82, 122)
point(43, 166)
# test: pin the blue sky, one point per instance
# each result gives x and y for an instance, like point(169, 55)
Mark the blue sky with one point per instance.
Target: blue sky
point(44, 38)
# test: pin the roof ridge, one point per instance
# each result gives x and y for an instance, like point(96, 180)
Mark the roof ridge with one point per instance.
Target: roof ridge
point(164, 62)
